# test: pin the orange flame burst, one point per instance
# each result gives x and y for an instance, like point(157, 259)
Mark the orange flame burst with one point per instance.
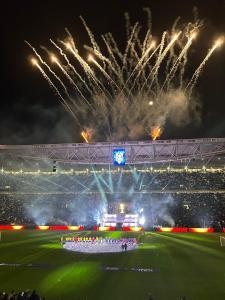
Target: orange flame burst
point(155, 132)
point(87, 135)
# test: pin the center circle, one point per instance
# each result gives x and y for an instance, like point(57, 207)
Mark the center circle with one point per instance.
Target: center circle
point(102, 246)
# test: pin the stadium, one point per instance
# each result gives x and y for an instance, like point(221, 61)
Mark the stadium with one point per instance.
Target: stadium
point(156, 181)
point(167, 194)
point(112, 151)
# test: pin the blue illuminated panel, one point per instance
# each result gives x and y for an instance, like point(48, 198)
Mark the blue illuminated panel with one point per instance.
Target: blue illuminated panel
point(119, 157)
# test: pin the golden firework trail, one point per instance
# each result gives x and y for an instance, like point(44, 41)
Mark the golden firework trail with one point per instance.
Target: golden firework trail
point(49, 69)
point(56, 61)
point(162, 55)
point(34, 62)
point(177, 62)
point(197, 73)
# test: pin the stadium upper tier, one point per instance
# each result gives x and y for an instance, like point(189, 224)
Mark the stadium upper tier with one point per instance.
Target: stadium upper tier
point(137, 152)
point(103, 182)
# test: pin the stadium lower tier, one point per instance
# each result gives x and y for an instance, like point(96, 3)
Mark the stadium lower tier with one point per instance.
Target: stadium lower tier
point(179, 210)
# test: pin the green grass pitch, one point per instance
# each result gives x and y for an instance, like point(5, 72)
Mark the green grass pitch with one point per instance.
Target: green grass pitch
point(190, 264)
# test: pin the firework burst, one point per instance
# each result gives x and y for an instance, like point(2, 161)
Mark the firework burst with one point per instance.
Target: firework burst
point(112, 91)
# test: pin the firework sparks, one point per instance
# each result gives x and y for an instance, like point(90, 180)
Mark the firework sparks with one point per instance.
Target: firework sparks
point(114, 90)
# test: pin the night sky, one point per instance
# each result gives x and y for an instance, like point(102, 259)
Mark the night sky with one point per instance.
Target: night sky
point(30, 112)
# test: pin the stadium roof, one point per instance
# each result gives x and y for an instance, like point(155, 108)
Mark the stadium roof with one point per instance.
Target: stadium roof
point(137, 152)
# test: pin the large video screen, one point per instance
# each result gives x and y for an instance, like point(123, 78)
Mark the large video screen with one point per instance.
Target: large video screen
point(119, 157)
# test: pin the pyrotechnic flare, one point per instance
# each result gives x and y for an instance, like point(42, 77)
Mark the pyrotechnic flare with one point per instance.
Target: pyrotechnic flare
point(87, 135)
point(155, 132)
point(114, 89)
point(84, 136)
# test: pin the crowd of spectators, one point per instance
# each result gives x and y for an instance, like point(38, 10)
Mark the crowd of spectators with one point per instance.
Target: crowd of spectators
point(191, 210)
point(23, 295)
point(193, 199)
point(140, 181)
